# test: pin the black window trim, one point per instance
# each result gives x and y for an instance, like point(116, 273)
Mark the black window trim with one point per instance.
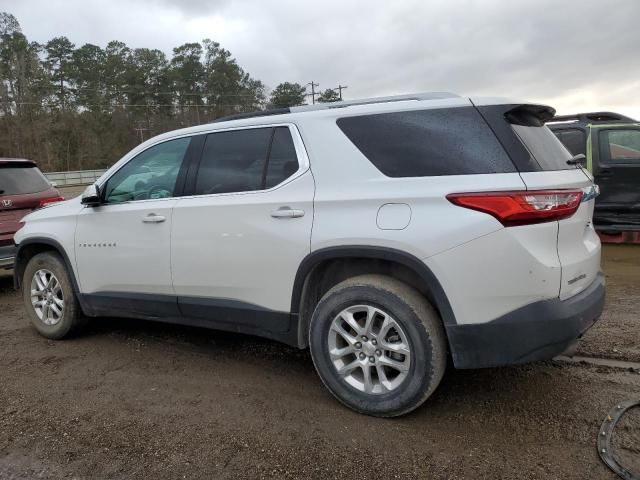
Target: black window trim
point(265, 168)
point(298, 144)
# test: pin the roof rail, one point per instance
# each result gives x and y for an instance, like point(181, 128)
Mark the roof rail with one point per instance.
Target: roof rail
point(592, 117)
point(369, 101)
point(258, 113)
point(341, 104)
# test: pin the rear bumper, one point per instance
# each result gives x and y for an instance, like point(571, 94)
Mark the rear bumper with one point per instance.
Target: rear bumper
point(7, 256)
point(622, 220)
point(538, 331)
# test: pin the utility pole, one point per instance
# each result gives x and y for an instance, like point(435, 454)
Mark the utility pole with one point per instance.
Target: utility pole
point(141, 129)
point(197, 112)
point(340, 88)
point(313, 91)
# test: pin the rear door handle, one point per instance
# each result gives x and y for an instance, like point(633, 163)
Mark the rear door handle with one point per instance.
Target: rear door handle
point(287, 212)
point(605, 172)
point(153, 218)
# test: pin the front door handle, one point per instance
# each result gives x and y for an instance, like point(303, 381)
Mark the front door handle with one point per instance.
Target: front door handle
point(153, 218)
point(605, 172)
point(287, 212)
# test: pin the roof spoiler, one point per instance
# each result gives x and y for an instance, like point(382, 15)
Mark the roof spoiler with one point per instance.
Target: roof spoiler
point(530, 115)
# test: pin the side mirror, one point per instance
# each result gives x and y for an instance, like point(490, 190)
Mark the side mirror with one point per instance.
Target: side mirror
point(91, 196)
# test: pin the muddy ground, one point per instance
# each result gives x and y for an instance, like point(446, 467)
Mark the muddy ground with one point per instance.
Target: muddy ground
point(135, 399)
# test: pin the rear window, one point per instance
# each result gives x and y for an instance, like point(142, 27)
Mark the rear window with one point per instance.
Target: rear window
point(20, 180)
point(453, 141)
point(572, 138)
point(544, 147)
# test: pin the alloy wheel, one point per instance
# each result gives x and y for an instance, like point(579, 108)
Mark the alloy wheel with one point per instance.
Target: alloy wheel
point(47, 297)
point(369, 349)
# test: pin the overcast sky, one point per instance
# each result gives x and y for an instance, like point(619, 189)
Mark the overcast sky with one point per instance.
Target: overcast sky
point(574, 55)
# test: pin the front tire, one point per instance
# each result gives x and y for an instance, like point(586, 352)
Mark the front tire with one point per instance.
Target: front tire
point(49, 298)
point(378, 345)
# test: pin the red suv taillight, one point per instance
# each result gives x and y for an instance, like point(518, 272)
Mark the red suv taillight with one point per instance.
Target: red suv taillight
point(521, 207)
point(50, 200)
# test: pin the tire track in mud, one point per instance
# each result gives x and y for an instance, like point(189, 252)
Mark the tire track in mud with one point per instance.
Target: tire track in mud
point(603, 362)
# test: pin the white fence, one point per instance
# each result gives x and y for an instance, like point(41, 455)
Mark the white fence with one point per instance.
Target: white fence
point(80, 177)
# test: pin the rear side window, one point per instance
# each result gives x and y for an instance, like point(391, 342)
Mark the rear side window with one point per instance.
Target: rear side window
point(246, 160)
point(573, 139)
point(544, 147)
point(422, 143)
point(620, 146)
point(16, 180)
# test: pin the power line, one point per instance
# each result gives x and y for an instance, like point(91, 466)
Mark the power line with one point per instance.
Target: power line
point(112, 105)
point(313, 95)
point(150, 92)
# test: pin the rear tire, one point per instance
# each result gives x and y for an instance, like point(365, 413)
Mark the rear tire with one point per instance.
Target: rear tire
point(378, 324)
point(49, 298)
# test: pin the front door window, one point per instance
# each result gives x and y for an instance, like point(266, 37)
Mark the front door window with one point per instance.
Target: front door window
point(152, 174)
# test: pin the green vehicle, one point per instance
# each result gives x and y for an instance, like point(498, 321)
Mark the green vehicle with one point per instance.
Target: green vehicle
point(611, 145)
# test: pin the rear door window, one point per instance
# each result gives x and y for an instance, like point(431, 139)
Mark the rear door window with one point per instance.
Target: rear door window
point(246, 160)
point(421, 143)
point(573, 139)
point(18, 180)
point(233, 161)
point(620, 146)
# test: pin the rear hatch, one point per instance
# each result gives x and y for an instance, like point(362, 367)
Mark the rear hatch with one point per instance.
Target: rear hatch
point(542, 161)
point(23, 188)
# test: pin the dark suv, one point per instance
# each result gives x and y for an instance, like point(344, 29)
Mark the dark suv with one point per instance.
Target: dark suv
point(23, 188)
point(611, 144)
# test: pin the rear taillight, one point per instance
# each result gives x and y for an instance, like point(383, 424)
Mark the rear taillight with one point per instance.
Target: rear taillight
point(521, 207)
point(48, 201)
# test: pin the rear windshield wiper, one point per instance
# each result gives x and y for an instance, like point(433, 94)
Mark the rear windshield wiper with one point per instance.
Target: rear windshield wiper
point(577, 159)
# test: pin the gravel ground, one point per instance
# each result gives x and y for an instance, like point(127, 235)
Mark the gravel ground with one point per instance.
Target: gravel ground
point(617, 334)
point(136, 399)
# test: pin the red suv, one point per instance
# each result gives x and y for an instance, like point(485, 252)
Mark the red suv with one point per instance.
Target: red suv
point(23, 188)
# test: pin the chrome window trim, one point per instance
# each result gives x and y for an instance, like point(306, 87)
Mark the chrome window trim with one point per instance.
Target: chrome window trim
point(301, 154)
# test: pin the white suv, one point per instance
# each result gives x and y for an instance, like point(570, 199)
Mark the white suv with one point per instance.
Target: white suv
point(386, 235)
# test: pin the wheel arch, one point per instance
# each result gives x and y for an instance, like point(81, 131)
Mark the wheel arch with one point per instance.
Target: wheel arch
point(30, 247)
point(323, 268)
